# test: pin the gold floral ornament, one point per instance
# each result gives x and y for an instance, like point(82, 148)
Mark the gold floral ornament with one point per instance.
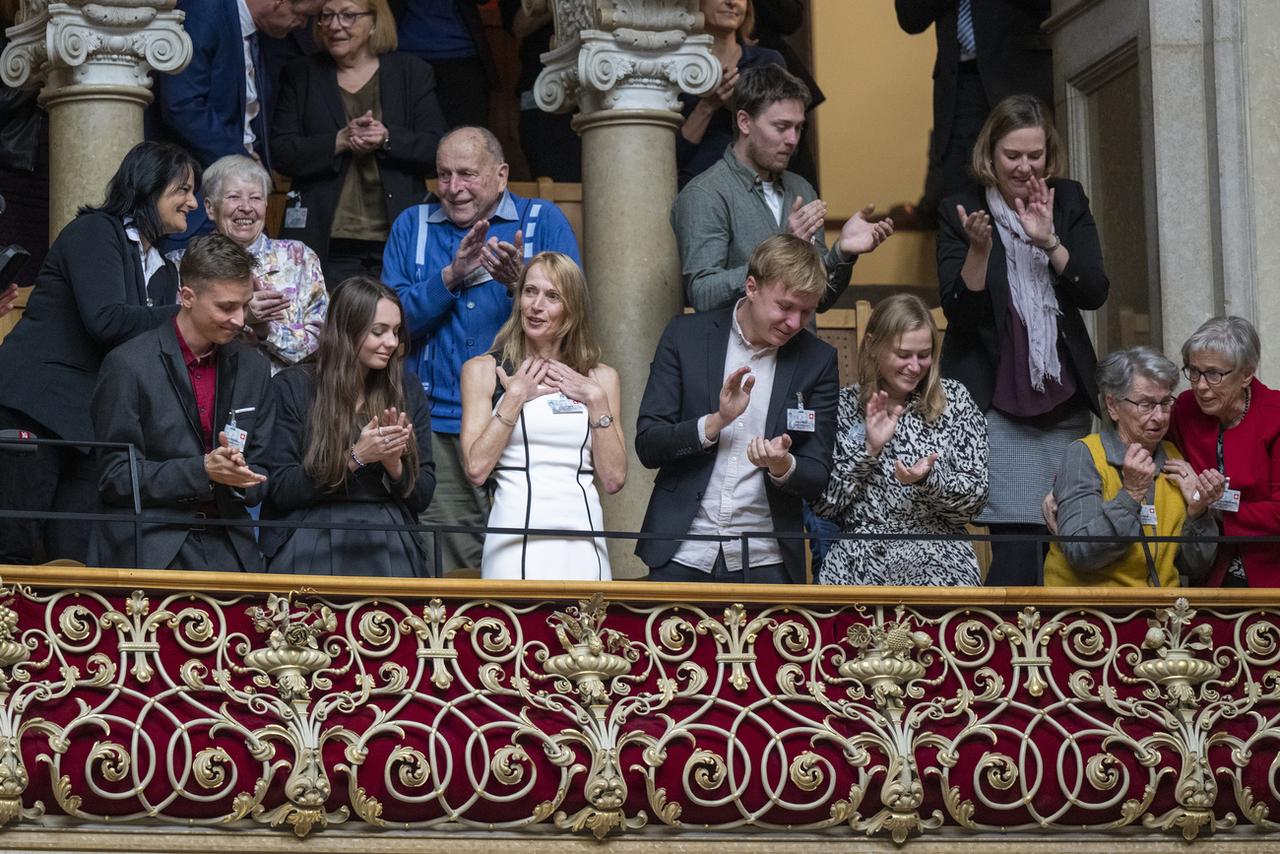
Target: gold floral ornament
point(13, 771)
point(292, 654)
point(586, 676)
point(886, 661)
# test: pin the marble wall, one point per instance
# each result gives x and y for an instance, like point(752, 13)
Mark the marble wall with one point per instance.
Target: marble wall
point(1207, 111)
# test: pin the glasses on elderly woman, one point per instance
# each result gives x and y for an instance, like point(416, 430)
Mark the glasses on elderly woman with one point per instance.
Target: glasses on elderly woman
point(1146, 407)
point(1212, 377)
point(346, 19)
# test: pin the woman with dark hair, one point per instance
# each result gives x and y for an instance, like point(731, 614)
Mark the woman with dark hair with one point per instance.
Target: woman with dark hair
point(356, 128)
point(103, 282)
point(352, 444)
point(910, 458)
point(1018, 260)
point(537, 419)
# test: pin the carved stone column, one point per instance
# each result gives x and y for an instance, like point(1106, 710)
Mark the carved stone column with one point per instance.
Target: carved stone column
point(93, 60)
point(622, 63)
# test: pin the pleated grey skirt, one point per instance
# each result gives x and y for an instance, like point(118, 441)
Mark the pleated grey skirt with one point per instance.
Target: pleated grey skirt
point(1022, 461)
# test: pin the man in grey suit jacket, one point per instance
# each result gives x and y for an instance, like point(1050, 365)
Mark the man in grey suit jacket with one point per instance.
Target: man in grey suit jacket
point(194, 403)
point(739, 418)
point(721, 216)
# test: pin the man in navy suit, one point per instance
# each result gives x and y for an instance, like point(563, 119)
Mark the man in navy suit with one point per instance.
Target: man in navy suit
point(221, 102)
point(739, 419)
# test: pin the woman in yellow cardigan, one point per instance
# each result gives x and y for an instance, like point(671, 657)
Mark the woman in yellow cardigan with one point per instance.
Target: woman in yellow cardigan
point(1129, 482)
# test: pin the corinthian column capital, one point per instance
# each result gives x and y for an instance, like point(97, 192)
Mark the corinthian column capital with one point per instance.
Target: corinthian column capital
point(624, 55)
point(112, 43)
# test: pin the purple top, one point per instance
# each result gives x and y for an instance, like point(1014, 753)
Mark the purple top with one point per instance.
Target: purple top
point(1013, 394)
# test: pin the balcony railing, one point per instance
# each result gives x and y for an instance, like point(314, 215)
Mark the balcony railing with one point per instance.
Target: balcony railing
point(322, 705)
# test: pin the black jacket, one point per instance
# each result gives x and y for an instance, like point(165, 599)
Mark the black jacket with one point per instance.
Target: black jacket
point(89, 298)
point(976, 320)
point(308, 116)
point(144, 397)
point(685, 378)
point(1013, 53)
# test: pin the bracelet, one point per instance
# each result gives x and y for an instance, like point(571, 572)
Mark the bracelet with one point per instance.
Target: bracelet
point(1054, 242)
point(359, 463)
point(498, 415)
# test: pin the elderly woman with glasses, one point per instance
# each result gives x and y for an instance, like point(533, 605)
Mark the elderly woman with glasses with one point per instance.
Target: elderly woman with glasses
point(289, 297)
point(1229, 422)
point(1129, 482)
point(355, 129)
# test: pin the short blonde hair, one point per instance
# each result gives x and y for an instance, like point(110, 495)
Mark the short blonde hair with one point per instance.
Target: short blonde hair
point(787, 259)
point(1015, 113)
point(892, 317)
point(383, 38)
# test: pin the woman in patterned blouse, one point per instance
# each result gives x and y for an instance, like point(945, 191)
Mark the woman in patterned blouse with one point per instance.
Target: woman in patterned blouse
point(289, 297)
point(910, 458)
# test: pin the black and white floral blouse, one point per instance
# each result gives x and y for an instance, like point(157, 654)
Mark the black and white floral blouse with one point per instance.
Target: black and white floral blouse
point(864, 496)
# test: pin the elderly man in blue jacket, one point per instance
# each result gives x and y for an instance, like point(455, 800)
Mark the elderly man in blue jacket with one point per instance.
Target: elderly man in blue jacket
point(454, 262)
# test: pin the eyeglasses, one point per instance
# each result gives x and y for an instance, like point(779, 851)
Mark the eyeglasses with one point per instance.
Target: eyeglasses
point(1212, 377)
point(346, 19)
point(1146, 407)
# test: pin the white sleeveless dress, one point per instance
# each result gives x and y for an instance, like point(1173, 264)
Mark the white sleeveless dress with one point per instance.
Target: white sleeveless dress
point(545, 479)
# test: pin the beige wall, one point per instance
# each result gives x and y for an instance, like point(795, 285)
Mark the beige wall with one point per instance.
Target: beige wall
point(873, 129)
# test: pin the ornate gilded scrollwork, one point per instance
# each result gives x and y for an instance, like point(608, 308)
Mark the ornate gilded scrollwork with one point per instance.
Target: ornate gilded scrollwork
point(302, 712)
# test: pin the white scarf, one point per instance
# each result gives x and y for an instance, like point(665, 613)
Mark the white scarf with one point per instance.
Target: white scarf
point(1031, 289)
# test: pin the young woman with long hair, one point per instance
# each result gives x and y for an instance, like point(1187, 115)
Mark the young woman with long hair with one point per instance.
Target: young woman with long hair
point(539, 421)
point(352, 444)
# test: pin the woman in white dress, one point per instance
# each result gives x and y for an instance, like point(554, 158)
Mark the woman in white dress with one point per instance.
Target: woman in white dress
point(538, 423)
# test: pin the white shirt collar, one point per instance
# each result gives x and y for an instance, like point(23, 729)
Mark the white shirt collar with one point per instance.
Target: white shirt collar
point(247, 27)
point(755, 351)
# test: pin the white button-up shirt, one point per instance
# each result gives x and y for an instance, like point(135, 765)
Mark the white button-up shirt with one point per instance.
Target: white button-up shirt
point(251, 104)
point(735, 498)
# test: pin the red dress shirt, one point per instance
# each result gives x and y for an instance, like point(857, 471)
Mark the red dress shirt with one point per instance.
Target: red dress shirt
point(204, 382)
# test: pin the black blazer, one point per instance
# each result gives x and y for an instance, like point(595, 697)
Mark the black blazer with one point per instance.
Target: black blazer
point(308, 116)
point(685, 378)
point(1013, 53)
point(89, 297)
point(976, 320)
point(144, 397)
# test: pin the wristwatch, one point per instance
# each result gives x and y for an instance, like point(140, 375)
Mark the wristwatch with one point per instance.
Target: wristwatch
point(386, 143)
point(1054, 243)
point(605, 421)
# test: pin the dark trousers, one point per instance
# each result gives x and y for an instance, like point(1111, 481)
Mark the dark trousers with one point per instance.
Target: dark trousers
point(1017, 563)
point(48, 479)
point(771, 573)
point(207, 548)
point(949, 161)
point(462, 88)
point(551, 146)
point(349, 258)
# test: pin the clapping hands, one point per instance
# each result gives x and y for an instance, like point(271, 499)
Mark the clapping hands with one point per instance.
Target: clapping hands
point(226, 465)
point(385, 439)
point(1036, 213)
point(1198, 490)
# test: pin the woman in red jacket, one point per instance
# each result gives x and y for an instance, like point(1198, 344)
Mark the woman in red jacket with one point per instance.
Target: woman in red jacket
point(1230, 421)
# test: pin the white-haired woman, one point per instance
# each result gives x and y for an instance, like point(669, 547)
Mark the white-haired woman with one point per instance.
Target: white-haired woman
point(289, 296)
point(1229, 421)
point(1110, 484)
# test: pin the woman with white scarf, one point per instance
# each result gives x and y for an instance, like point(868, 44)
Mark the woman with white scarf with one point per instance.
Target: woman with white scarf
point(1018, 259)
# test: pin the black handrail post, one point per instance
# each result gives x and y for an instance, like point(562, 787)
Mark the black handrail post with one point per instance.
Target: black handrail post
point(137, 504)
point(746, 558)
point(437, 555)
